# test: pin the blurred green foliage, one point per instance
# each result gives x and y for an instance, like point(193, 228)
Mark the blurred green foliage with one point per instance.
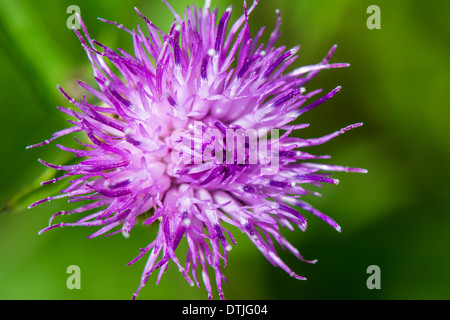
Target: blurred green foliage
point(396, 216)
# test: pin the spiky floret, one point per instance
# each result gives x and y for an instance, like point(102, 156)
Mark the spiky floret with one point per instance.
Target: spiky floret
point(158, 142)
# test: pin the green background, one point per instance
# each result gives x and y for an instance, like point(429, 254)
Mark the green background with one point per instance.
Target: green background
point(395, 217)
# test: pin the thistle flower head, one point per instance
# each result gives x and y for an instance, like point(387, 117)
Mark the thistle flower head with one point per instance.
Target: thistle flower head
point(187, 131)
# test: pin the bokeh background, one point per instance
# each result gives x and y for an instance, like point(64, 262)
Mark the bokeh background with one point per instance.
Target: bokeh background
point(396, 216)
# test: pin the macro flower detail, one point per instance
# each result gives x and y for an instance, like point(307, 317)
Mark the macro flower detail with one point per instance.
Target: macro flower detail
point(187, 134)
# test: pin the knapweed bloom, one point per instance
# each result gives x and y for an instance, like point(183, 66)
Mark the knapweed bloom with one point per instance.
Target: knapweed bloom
point(194, 131)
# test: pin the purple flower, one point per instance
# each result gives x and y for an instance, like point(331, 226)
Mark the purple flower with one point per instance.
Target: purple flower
point(181, 134)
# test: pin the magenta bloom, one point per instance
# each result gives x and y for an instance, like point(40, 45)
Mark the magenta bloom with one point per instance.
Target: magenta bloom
point(188, 134)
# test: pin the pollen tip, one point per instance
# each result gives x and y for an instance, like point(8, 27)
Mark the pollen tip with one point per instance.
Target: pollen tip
point(352, 126)
point(296, 276)
point(211, 52)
